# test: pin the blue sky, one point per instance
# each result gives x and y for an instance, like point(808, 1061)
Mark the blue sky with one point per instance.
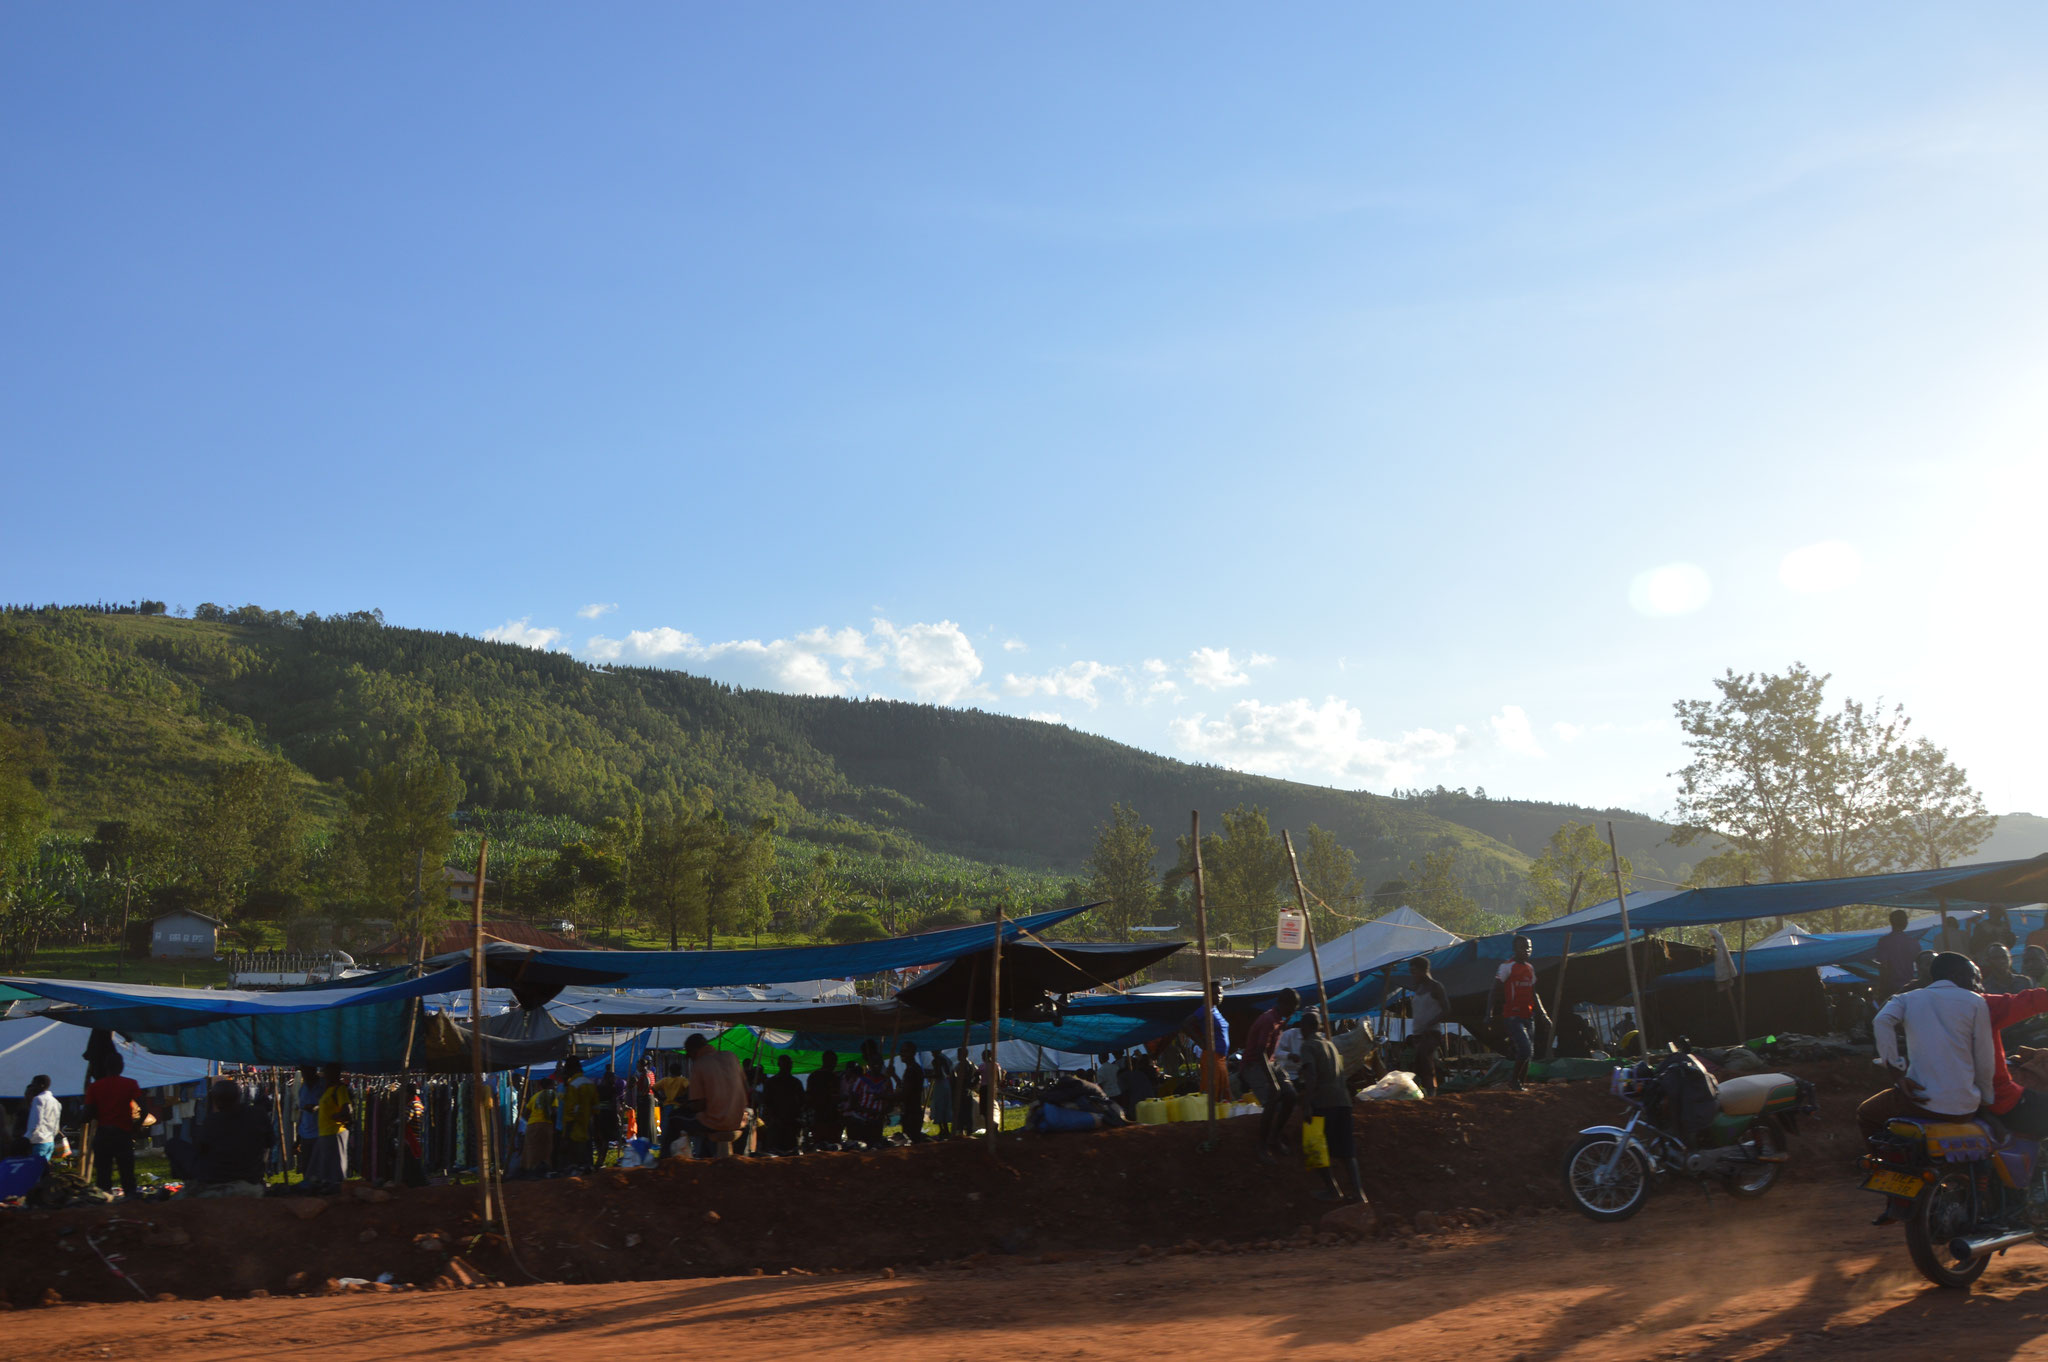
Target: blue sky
point(1374, 396)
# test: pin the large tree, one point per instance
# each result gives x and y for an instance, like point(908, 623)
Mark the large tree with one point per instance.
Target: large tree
point(1798, 791)
point(1242, 870)
point(669, 872)
point(1329, 871)
point(1120, 872)
point(399, 829)
point(1436, 891)
point(1573, 872)
point(247, 834)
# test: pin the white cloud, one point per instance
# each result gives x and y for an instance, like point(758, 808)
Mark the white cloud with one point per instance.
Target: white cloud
point(1075, 681)
point(591, 612)
point(1511, 729)
point(817, 662)
point(1673, 589)
point(1046, 716)
point(1216, 669)
point(1157, 666)
point(1300, 738)
point(522, 632)
point(1013, 645)
point(1568, 732)
point(1827, 566)
point(936, 661)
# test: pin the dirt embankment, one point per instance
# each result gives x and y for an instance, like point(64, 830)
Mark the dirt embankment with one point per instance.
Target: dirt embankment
point(1469, 1158)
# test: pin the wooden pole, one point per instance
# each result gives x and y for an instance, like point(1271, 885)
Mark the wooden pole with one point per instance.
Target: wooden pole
point(419, 957)
point(1309, 925)
point(476, 1032)
point(1742, 988)
point(991, 1086)
point(1571, 905)
point(1628, 950)
point(1209, 1038)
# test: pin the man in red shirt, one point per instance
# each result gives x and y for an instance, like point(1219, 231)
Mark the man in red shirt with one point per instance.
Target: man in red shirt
point(113, 1100)
point(1514, 994)
point(1275, 1094)
point(2023, 1112)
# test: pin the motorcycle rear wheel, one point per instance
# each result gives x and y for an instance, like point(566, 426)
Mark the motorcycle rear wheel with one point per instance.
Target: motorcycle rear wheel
point(1940, 1214)
point(1616, 1200)
point(1754, 1179)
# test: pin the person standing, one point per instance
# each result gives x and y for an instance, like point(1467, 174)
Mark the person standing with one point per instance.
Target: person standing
point(412, 1136)
point(579, 1117)
point(1429, 1007)
point(335, 1114)
point(1211, 1037)
point(782, 1108)
point(718, 1092)
point(910, 1095)
point(1894, 954)
point(233, 1141)
point(942, 1094)
point(1514, 992)
point(44, 1121)
point(307, 1130)
point(115, 1103)
point(966, 1095)
point(537, 1155)
point(822, 1094)
point(672, 1089)
point(1275, 1094)
point(1322, 1084)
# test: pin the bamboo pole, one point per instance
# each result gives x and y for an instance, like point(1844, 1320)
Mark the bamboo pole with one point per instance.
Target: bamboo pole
point(476, 1033)
point(419, 957)
point(1308, 921)
point(1742, 988)
point(991, 1089)
point(1628, 950)
point(1209, 1039)
point(1571, 905)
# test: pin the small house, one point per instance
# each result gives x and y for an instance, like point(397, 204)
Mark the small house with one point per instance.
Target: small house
point(183, 935)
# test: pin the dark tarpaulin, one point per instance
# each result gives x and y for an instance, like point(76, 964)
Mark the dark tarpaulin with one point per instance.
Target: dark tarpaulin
point(1032, 972)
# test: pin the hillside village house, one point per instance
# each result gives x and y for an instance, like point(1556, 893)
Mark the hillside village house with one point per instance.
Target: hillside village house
point(183, 935)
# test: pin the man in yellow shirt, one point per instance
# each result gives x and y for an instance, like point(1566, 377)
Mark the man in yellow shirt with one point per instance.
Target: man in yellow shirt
point(671, 1091)
point(537, 1157)
point(335, 1114)
point(578, 1114)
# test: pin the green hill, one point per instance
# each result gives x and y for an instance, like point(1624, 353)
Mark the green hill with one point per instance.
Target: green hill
point(133, 712)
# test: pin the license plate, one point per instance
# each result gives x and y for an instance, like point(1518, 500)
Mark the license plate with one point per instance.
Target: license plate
point(1894, 1184)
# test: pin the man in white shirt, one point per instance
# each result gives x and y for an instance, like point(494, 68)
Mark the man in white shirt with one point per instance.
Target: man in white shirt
point(1951, 1048)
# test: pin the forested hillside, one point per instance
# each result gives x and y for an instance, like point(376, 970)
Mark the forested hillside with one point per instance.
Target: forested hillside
point(131, 712)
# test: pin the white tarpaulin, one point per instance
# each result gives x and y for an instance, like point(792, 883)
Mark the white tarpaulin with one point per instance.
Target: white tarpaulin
point(1401, 933)
point(34, 1045)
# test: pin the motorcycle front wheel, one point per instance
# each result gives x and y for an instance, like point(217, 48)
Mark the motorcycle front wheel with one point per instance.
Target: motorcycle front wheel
point(1940, 1214)
point(1761, 1138)
point(1597, 1196)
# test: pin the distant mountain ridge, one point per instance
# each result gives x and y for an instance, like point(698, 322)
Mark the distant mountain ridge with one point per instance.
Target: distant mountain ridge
point(134, 711)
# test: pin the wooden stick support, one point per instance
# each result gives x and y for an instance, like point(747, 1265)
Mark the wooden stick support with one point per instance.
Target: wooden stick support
point(1628, 950)
point(476, 1034)
point(1308, 924)
point(991, 1085)
point(1208, 1013)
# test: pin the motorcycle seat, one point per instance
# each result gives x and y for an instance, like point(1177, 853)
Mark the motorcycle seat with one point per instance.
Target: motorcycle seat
point(1751, 1093)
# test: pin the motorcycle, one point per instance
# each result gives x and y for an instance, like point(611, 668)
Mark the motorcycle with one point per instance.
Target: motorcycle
point(1738, 1132)
point(1965, 1189)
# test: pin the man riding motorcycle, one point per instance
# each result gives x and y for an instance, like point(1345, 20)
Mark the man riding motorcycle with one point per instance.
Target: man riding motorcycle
point(1955, 1054)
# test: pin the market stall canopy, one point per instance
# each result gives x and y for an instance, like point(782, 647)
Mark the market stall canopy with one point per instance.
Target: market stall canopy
point(38, 1045)
point(1032, 973)
point(1398, 935)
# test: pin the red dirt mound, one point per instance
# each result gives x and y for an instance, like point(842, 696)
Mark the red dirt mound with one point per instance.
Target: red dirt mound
point(1476, 1156)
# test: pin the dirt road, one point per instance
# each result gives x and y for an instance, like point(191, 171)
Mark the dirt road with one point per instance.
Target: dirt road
point(1799, 1275)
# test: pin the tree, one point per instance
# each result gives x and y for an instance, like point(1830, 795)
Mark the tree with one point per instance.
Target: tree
point(737, 885)
point(1573, 872)
point(28, 910)
point(1436, 892)
point(247, 834)
point(1120, 871)
point(845, 928)
point(1329, 870)
point(1944, 819)
point(1241, 871)
point(398, 833)
point(1796, 791)
point(669, 874)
